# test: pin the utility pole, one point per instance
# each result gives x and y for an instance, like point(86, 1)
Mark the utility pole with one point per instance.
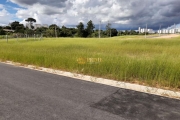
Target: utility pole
point(17, 36)
point(100, 29)
point(175, 28)
point(110, 30)
point(55, 32)
point(146, 31)
point(160, 30)
point(139, 30)
point(109, 25)
point(7, 38)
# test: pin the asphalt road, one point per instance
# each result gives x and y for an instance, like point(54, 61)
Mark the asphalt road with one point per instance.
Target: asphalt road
point(32, 95)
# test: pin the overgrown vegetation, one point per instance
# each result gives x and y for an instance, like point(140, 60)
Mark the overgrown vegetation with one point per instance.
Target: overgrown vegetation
point(81, 30)
point(154, 62)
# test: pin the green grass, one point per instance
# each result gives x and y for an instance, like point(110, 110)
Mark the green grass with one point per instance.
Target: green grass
point(2, 37)
point(154, 62)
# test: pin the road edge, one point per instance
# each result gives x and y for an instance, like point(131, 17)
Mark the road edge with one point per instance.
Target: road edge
point(119, 84)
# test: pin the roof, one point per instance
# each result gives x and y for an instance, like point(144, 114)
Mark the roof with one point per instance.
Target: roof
point(7, 30)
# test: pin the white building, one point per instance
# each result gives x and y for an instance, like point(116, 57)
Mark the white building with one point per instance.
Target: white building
point(167, 31)
point(151, 31)
point(45, 25)
point(28, 25)
point(143, 30)
point(170, 30)
point(37, 26)
point(178, 30)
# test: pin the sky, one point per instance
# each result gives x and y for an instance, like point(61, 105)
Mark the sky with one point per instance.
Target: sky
point(122, 14)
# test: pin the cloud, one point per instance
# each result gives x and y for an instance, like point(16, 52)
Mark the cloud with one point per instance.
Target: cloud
point(26, 3)
point(4, 15)
point(126, 14)
point(1, 6)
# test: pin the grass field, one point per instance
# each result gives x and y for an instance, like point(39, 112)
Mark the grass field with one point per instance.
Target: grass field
point(153, 62)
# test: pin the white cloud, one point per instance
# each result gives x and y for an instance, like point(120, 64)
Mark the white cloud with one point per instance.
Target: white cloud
point(74, 11)
point(1, 6)
point(121, 12)
point(5, 16)
point(3, 13)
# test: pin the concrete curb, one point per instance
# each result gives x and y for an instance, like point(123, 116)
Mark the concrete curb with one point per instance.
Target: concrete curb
point(119, 84)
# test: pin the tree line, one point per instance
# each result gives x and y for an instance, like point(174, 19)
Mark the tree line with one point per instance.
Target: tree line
point(53, 30)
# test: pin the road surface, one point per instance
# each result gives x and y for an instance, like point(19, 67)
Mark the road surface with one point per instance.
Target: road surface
point(33, 95)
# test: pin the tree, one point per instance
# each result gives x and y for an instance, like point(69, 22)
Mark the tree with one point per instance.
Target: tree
point(120, 33)
point(49, 33)
point(41, 30)
point(31, 21)
point(55, 29)
point(73, 31)
point(133, 32)
point(126, 32)
point(29, 32)
point(114, 32)
point(90, 28)
point(95, 34)
point(108, 29)
point(7, 27)
point(2, 32)
point(19, 28)
point(80, 29)
point(66, 32)
point(14, 25)
point(53, 26)
point(63, 31)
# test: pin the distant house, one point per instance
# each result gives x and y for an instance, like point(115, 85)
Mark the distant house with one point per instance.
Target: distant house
point(28, 25)
point(7, 30)
point(174, 29)
point(143, 30)
point(168, 31)
point(45, 25)
point(37, 26)
point(178, 30)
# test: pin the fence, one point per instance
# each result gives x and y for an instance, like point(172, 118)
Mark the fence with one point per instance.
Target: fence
point(22, 36)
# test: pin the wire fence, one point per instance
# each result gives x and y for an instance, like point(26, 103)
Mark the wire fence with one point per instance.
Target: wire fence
point(22, 36)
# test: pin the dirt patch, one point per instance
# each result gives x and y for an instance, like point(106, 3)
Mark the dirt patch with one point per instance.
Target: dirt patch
point(168, 36)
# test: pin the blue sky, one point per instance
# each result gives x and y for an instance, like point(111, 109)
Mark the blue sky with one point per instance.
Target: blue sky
point(11, 10)
point(9, 6)
point(122, 14)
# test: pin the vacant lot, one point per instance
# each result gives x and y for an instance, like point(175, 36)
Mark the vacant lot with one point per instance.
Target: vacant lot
point(154, 62)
